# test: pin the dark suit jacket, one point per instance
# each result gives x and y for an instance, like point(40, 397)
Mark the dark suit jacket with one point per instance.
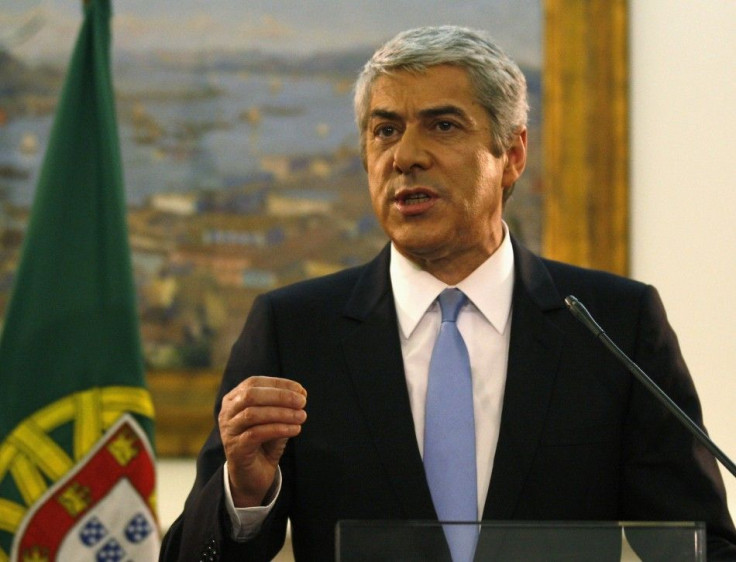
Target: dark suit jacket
point(579, 438)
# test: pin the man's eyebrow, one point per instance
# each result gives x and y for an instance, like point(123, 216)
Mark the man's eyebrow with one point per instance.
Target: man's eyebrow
point(443, 110)
point(384, 114)
point(429, 112)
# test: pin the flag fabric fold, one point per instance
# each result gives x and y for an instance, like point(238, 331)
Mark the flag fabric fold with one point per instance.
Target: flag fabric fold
point(77, 473)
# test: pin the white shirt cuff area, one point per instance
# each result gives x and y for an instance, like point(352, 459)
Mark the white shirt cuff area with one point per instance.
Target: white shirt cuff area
point(247, 521)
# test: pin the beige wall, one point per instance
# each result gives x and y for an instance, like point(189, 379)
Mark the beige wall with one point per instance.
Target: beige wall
point(683, 94)
point(683, 100)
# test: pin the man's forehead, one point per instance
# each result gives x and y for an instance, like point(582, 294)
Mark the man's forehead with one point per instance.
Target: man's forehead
point(442, 89)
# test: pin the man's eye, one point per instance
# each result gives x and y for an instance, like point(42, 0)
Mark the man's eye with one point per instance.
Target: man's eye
point(385, 131)
point(445, 125)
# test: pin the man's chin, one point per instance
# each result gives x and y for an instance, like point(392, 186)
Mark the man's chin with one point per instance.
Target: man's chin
point(420, 249)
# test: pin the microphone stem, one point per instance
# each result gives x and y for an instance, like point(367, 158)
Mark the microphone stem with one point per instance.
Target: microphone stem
point(582, 314)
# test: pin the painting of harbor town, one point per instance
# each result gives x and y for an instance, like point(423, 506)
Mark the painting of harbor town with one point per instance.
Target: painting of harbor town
point(240, 154)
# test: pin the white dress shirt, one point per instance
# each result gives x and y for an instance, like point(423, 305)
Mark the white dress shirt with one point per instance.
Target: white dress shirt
point(485, 324)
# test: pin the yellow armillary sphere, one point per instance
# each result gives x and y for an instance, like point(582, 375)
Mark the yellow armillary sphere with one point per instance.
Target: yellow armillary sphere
point(34, 459)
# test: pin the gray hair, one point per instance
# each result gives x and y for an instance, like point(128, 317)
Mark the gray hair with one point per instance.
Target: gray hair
point(499, 83)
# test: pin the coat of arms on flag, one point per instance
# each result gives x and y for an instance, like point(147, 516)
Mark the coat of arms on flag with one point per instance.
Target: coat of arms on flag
point(102, 510)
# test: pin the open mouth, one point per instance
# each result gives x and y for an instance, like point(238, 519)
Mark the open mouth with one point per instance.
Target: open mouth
point(415, 202)
point(415, 199)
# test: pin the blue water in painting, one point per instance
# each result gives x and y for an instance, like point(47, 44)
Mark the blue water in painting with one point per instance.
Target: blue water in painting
point(307, 116)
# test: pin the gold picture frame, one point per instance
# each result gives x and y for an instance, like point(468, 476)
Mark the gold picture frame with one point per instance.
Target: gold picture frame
point(585, 133)
point(585, 143)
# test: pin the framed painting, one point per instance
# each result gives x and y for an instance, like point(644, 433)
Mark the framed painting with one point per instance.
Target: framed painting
point(240, 154)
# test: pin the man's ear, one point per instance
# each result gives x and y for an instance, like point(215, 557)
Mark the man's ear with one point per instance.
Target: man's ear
point(515, 159)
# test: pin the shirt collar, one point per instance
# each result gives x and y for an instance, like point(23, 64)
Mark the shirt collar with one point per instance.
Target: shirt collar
point(489, 288)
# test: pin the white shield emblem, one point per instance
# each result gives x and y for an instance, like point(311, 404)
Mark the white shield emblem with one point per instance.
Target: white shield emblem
point(101, 510)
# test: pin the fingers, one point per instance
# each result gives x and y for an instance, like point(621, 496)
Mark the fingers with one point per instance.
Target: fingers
point(261, 423)
point(266, 391)
point(263, 408)
point(256, 420)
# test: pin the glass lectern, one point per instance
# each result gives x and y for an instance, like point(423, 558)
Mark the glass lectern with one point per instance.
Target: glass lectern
point(420, 541)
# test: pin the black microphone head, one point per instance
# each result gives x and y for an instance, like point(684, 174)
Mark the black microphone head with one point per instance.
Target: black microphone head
point(581, 313)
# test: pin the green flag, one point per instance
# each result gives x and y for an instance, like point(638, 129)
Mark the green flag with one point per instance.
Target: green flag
point(77, 475)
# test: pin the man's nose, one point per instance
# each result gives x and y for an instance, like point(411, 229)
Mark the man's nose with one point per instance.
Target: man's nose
point(411, 152)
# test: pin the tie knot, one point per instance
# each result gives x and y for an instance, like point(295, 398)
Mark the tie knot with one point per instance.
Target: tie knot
point(451, 301)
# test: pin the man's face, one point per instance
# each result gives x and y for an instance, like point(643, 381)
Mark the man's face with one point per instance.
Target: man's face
point(435, 185)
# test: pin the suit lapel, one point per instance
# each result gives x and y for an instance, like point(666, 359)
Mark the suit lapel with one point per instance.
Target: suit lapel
point(373, 356)
point(533, 362)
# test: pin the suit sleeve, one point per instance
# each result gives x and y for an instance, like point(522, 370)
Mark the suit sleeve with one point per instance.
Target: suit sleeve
point(202, 531)
point(668, 474)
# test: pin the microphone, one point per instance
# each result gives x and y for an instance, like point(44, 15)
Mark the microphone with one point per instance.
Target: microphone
point(584, 317)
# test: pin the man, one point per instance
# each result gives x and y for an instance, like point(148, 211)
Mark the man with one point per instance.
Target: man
point(321, 413)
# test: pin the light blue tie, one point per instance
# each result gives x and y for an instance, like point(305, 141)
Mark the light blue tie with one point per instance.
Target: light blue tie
point(449, 432)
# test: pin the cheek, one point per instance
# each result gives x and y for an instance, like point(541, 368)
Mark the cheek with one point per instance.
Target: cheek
point(488, 179)
point(378, 176)
point(482, 195)
point(374, 194)
point(377, 192)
